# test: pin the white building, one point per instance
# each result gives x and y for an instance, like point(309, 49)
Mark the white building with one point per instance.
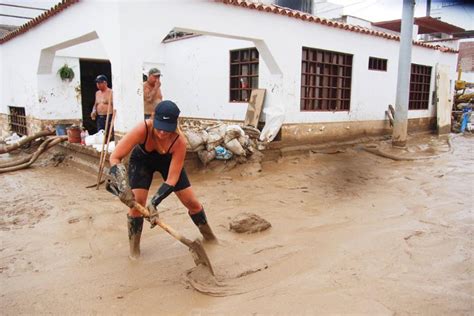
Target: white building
point(315, 71)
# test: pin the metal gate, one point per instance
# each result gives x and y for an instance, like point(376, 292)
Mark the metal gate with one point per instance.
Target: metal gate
point(17, 120)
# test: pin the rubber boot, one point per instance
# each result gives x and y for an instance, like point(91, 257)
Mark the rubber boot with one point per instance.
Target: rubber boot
point(200, 220)
point(135, 226)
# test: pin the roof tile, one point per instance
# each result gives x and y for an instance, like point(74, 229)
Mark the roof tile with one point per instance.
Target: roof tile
point(314, 19)
point(38, 20)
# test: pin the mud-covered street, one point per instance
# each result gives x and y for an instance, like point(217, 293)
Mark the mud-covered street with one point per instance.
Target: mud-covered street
point(352, 233)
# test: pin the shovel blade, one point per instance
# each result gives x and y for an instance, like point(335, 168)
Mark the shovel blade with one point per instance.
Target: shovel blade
point(200, 255)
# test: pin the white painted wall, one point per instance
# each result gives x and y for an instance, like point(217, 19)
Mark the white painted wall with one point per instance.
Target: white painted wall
point(44, 95)
point(197, 77)
point(90, 50)
point(195, 70)
point(58, 99)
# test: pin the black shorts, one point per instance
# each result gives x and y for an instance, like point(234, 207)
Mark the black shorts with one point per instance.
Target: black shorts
point(142, 165)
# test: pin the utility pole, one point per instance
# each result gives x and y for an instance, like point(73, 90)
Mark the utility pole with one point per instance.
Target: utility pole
point(400, 122)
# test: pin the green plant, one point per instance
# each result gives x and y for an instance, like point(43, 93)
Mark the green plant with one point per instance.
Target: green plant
point(66, 73)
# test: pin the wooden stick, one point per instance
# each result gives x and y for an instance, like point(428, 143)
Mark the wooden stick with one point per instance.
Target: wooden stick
point(194, 246)
point(109, 106)
point(390, 117)
point(392, 110)
point(102, 163)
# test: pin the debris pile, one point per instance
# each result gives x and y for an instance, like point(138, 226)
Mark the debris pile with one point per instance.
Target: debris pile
point(222, 142)
point(462, 117)
point(248, 223)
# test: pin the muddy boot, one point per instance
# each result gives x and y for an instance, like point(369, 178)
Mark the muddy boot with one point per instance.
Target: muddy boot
point(135, 225)
point(201, 222)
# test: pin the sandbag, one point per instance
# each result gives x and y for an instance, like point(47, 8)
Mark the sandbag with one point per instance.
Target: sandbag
point(219, 129)
point(206, 156)
point(233, 131)
point(235, 147)
point(196, 139)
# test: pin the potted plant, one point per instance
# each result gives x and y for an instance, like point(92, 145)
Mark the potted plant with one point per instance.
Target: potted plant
point(66, 73)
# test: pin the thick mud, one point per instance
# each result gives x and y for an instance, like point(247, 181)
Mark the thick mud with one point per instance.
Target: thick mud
point(351, 233)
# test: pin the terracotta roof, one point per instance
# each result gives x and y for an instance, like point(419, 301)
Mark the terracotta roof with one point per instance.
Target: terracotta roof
point(38, 20)
point(426, 25)
point(314, 19)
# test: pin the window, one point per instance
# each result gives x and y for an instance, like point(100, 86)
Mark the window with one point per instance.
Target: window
point(17, 120)
point(419, 87)
point(243, 73)
point(325, 80)
point(377, 64)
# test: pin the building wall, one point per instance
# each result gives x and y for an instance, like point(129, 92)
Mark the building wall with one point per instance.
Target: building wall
point(196, 70)
point(22, 83)
point(197, 77)
point(466, 59)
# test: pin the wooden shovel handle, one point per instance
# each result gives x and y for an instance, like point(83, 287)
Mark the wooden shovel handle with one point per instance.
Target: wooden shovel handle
point(160, 223)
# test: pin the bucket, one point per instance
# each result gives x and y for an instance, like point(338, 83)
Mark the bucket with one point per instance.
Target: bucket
point(61, 129)
point(74, 134)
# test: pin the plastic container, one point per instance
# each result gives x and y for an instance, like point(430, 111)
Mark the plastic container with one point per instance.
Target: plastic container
point(61, 130)
point(84, 134)
point(74, 134)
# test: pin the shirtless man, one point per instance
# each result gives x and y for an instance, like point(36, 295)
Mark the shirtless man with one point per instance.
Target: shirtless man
point(152, 92)
point(102, 98)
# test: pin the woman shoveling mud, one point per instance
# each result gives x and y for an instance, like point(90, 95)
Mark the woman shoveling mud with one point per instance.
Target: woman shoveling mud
point(156, 145)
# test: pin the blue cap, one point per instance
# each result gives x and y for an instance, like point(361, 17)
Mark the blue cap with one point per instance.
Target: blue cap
point(101, 78)
point(166, 116)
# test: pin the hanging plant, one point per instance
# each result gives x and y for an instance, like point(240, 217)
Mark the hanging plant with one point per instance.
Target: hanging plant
point(66, 73)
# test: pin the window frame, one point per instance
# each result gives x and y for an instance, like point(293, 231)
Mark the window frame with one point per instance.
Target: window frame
point(378, 64)
point(326, 80)
point(17, 120)
point(419, 93)
point(246, 82)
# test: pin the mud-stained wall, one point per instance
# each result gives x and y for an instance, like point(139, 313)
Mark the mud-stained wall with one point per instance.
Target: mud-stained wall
point(300, 134)
point(35, 125)
point(4, 127)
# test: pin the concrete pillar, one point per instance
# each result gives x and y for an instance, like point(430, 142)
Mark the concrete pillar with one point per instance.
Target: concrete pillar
point(400, 124)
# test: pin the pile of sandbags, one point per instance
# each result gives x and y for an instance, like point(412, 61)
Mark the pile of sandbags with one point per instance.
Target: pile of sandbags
point(222, 142)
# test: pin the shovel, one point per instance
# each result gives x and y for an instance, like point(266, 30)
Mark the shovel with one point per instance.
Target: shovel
point(196, 248)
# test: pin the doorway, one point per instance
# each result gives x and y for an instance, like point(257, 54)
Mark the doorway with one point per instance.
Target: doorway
point(90, 69)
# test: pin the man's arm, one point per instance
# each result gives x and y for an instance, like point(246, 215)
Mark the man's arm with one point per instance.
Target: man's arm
point(150, 94)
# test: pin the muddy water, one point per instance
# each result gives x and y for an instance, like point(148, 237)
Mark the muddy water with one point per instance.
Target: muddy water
point(351, 232)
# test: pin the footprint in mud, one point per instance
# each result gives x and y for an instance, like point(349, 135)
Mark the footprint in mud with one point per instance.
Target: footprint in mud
point(23, 212)
point(73, 220)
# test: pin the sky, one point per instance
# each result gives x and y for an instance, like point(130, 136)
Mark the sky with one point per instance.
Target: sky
point(461, 13)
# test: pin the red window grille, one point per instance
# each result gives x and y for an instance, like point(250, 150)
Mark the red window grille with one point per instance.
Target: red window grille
point(420, 80)
point(243, 73)
point(325, 80)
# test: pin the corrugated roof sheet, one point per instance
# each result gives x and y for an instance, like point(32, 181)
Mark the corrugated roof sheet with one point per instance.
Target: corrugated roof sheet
point(426, 25)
